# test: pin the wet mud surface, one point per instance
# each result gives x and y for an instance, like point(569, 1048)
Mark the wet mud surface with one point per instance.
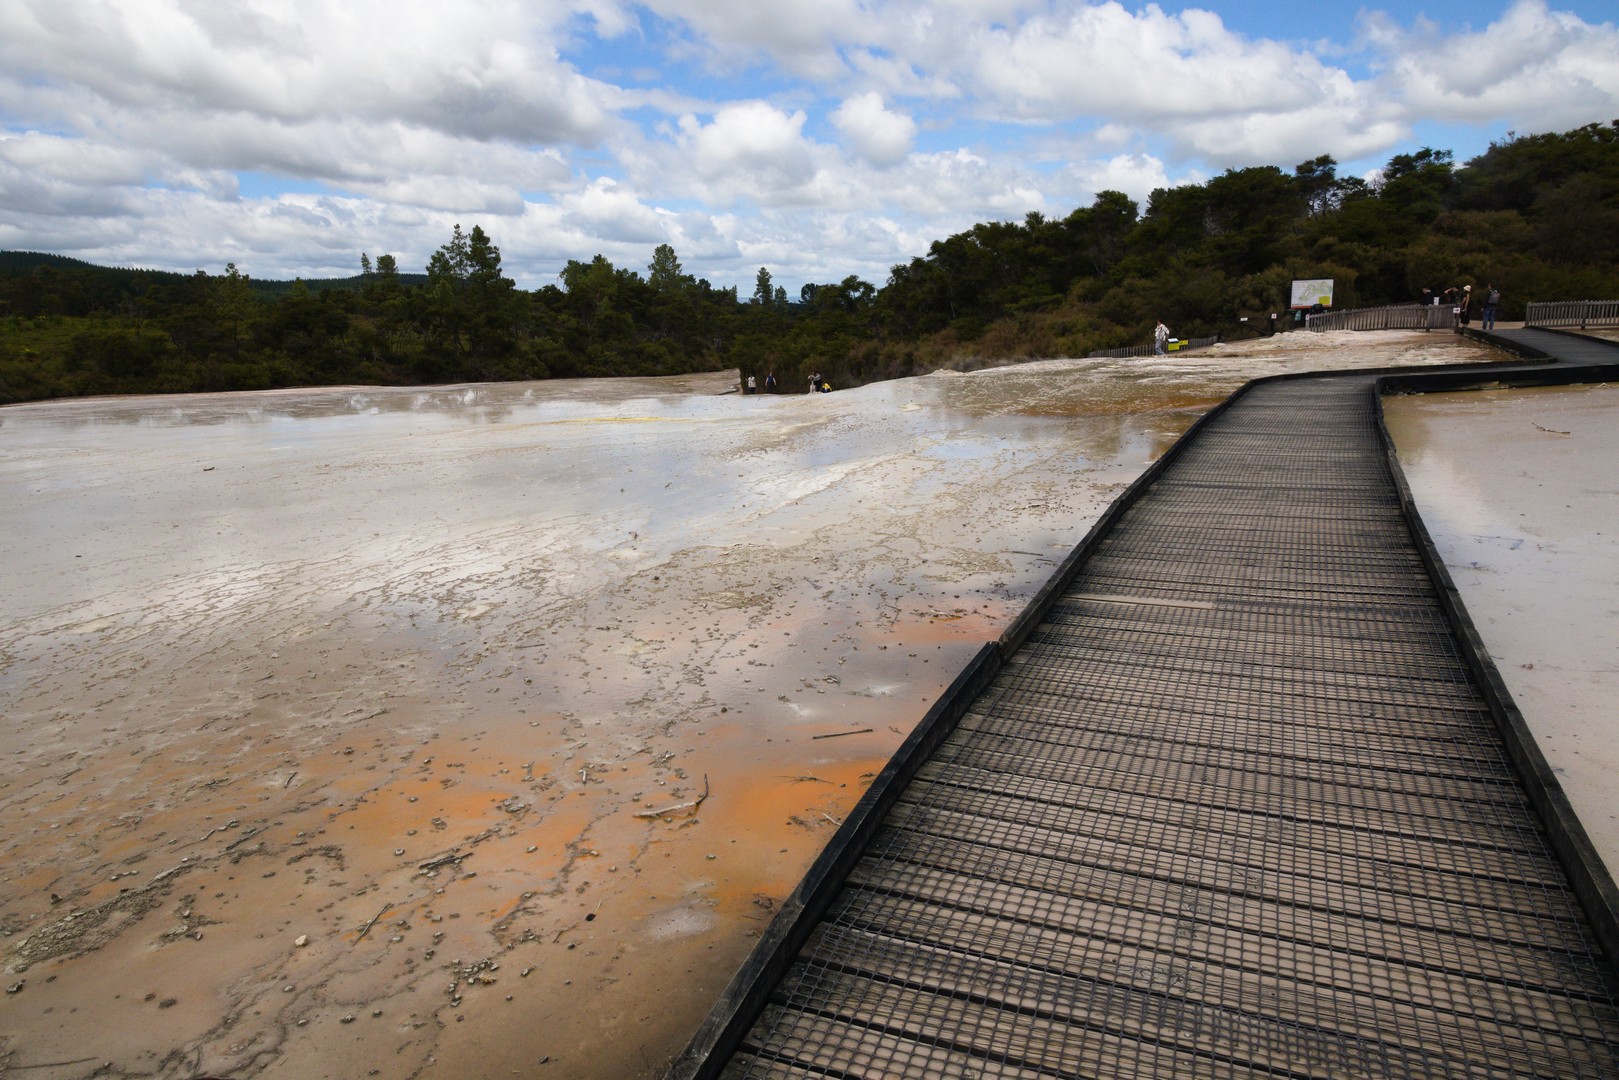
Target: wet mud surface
point(479, 731)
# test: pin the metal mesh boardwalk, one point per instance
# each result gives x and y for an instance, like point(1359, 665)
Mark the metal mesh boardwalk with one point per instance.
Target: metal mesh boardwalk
point(1235, 807)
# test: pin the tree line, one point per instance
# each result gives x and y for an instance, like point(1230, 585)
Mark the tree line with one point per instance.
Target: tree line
point(1534, 215)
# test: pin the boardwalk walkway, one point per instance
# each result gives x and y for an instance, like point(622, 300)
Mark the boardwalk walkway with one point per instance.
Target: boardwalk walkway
point(1235, 803)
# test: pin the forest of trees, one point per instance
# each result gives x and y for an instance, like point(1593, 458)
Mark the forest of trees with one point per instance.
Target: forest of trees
point(1535, 215)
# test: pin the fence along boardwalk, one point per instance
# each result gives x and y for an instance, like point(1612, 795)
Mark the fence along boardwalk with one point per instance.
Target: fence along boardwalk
point(1235, 807)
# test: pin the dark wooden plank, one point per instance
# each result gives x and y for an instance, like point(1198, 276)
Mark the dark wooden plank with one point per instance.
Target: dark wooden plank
point(1310, 658)
point(1191, 1024)
point(1270, 979)
point(1253, 868)
point(1530, 928)
point(1288, 844)
point(1221, 920)
point(1467, 760)
point(1128, 790)
point(1246, 786)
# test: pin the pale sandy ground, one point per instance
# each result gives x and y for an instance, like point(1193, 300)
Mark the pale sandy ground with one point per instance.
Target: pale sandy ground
point(330, 720)
point(1520, 490)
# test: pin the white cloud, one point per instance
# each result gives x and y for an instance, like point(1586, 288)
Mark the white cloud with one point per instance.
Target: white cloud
point(495, 75)
point(613, 212)
point(750, 150)
point(1149, 68)
point(1136, 175)
point(897, 76)
point(1548, 68)
point(800, 35)
point(612, 19)
point(1241, 139)
point(74, 161)
point(882, 137)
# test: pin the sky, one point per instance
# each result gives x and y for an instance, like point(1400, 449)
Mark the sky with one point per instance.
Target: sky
point(814, 138)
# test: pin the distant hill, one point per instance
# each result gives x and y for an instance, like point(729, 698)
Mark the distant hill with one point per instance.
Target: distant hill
point(22, 263)
point(133, 281)
point(274, 290)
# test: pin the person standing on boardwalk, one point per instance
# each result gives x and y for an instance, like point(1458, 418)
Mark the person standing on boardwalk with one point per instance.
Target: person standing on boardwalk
point(1160, 338)
point(1492, 298)
point(770, 383)
point(753, 387)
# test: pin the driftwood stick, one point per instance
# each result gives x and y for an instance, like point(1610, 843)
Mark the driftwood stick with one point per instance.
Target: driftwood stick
point(56, 1064)
point(444, 860)
point(694, 804)
point(248, 835)
point(841, 734)
point(366, 929)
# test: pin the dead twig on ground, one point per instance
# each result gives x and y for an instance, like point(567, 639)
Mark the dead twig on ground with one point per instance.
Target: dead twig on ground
point(841, 734)
point(366, 929)
point(694, 804)
point(248, 835)
point(452, 859)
